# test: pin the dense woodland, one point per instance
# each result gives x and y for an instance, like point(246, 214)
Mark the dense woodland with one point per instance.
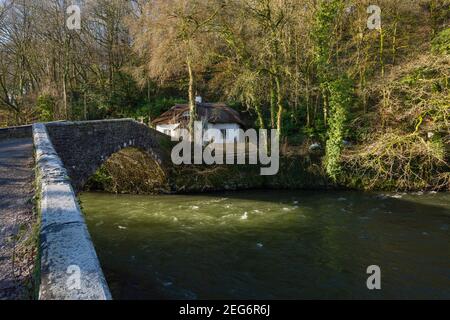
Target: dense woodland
point(376, 99)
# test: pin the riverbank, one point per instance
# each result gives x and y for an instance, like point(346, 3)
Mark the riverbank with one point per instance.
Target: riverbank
point(131, 171)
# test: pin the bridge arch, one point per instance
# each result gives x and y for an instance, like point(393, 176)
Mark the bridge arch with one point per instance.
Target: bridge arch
point(84, 146)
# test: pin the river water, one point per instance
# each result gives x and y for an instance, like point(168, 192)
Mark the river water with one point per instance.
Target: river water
point(272, 244)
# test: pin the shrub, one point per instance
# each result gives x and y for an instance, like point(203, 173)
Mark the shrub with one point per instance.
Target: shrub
point(441, 43)
point(341, 96)
point(45, 105)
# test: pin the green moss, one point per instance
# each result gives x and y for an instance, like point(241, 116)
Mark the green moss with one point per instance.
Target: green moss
point(441, 43)
point(100, 180)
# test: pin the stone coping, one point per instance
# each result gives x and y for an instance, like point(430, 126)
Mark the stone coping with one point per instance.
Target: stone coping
point(90, 122)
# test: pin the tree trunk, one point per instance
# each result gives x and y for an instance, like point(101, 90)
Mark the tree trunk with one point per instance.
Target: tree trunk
point(273, 102)
point(308, 101)
point(260, 116)
point(325, 107)
point(192, 106)
point(394, 39)
point(382, 51)
point(66, 112)
point(279, 105)
point(85, 105)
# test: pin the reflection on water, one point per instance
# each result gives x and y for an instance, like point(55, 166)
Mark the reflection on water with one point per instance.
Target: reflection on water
point(271, 244)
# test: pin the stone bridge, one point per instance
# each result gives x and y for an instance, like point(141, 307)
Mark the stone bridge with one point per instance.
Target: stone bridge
point(66, 155)
point(84, 146)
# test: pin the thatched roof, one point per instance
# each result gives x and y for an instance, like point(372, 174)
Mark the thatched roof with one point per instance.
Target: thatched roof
point(211, 112)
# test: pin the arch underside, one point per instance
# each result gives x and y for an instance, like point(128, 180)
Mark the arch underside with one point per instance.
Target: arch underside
point(130, 170)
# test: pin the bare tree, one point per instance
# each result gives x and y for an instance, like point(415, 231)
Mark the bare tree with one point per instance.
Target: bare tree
point(174, 38)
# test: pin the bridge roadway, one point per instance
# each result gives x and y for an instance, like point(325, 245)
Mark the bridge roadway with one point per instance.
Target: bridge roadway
point(16, 216)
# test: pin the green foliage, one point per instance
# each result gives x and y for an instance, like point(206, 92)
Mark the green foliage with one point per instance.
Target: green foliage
point(125, 95)
point(45, 106)
point(290, 125)
point(437, 147)
point(439, 13)
point(441, 43)
point(155, 108)
point(99, 180)
point(341, 96)
point(322, 33)
point(125, 100)
point(419, 74)
point(317, 132)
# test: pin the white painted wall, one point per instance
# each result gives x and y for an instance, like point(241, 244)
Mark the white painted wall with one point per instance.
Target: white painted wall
point(167, 128)
point(231, 136)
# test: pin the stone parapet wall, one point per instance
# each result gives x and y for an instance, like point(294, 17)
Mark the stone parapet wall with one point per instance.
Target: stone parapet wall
point(16, 132)
point(70, 269)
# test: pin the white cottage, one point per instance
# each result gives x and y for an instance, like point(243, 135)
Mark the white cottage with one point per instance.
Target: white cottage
point(214, 115)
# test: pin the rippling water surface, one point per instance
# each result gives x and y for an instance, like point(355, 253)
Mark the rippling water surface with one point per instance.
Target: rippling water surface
point(271, 244)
